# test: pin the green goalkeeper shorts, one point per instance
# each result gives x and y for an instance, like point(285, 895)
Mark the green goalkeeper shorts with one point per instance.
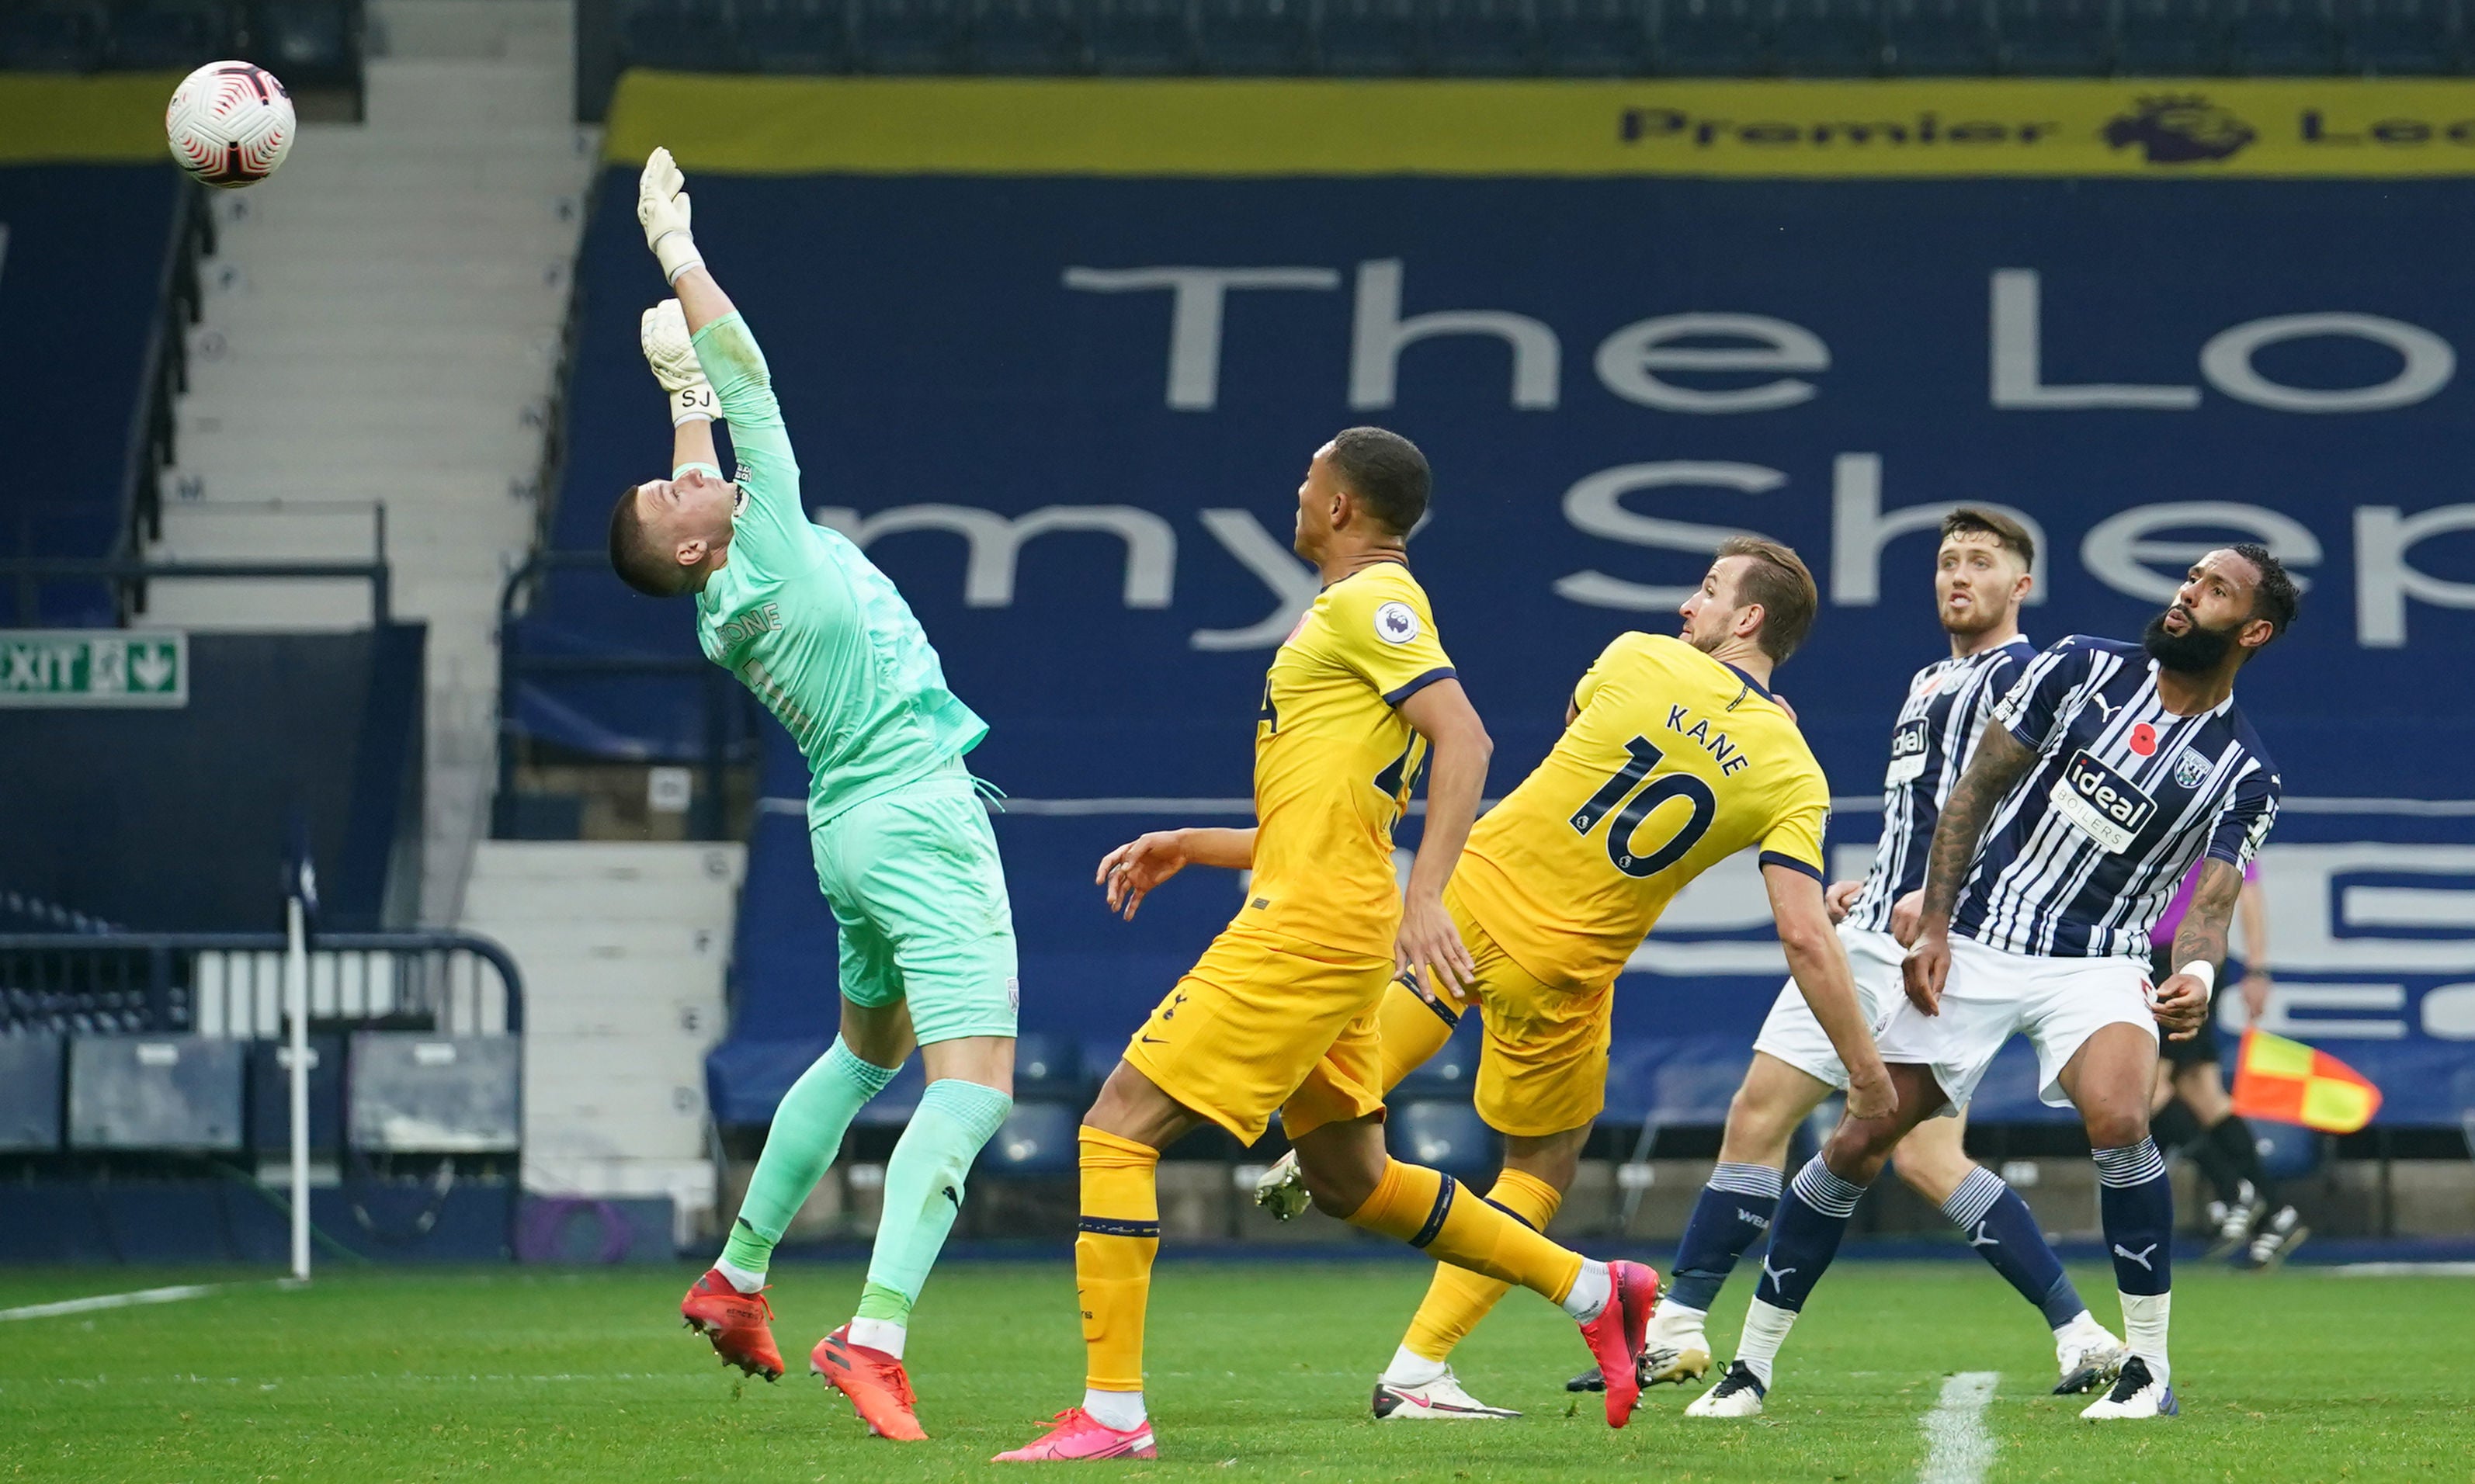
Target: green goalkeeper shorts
point(920, 900)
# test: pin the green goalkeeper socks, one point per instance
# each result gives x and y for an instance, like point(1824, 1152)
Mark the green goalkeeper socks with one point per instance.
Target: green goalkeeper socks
point(924, 1193)
point(807, 1133)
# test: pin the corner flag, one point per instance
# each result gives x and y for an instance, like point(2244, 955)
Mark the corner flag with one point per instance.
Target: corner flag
point(2287, 1081)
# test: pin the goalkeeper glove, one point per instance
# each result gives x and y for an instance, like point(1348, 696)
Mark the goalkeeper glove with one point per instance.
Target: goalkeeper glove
point(671, 354)
point(662, 210)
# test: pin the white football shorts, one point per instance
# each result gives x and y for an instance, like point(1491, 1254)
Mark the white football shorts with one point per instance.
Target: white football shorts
point(2057, 1002)
point(1791, 1034)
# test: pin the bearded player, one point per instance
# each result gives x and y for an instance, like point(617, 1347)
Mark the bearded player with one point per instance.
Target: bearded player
point(1981, 576)
point(1675, 757)
point(903, 848)
point(2106, 774)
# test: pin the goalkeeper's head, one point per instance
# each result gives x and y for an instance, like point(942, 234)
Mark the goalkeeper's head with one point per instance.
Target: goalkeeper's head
point(667, 536)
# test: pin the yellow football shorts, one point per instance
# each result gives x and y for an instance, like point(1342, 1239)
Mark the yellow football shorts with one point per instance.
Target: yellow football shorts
point(1543, 1068)
point(1267, 1021)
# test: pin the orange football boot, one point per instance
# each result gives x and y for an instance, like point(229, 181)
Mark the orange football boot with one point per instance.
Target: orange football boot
point(739, 1325)
point(1615, 1336)
point(879, 1391)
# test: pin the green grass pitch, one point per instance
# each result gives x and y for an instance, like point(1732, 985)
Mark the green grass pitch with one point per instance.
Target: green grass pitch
point(1258, 1371)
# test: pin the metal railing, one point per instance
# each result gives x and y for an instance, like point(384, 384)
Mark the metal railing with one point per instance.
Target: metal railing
point(720, 692)
point(230, 986)
point(550, 476)
point(165, 373)
point(129, 577)
point(39, 913)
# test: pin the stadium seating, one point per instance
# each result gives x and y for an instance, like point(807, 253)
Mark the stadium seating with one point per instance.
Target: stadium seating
point(1446, 1136)
point(1711, 38)
point(2403, 38)
point(1371, 38)
point(2055, 37)
point(60, 37)
point(107, 238)
point(908, 35)
point(171, 33)
point(2171, 37)
point(693, 35)
point(1550, 38)
point(1939, 39)
point(1452, 1072)
point(1049, 1068)
point(796, 35)
point(1141, 38)
point(308, 43)
point(1827, 38)
point(1026, 37)
point(2288, 1151)
point(2273, 37)
point(1592, 38)
point(1478, 38)
point(1037, 1139)
point(1254, 37)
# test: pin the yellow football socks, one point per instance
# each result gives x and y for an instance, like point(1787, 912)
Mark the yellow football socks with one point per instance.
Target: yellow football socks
point(1458, 1298)
point(1411, 1031)
point(1113, 1255)
point(1442, 1219)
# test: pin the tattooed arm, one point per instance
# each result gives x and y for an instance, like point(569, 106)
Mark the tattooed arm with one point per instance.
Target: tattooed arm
point(2182, 1002)
point(2001, 760)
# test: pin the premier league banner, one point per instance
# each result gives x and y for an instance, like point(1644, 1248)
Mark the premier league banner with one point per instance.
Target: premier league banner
point(1056, 354)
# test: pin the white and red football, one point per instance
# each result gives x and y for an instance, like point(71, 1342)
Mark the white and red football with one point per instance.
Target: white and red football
point(231, 124)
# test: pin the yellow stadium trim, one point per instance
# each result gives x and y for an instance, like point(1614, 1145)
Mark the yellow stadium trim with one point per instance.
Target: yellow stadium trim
point(2163, 129)
point(113, 119)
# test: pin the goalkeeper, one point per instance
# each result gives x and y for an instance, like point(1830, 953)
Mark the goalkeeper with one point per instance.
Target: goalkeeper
point(902, 843)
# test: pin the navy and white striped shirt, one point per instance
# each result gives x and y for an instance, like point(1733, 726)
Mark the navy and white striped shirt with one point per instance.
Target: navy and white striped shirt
point(2086, 850)
point(1931, 746)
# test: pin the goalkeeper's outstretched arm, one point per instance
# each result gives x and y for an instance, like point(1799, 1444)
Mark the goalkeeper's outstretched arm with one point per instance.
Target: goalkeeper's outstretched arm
point(663, 334)
point(663, 210)
point(740, 381)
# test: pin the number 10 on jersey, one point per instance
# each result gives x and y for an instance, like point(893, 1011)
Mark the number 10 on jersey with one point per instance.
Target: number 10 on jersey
point(1622, 848)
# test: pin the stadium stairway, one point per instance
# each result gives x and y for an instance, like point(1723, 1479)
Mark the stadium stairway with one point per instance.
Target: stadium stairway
point(624, 950)
point(382, 327)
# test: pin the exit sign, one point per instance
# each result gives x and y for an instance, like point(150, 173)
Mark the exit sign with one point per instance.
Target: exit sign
point(93, 668)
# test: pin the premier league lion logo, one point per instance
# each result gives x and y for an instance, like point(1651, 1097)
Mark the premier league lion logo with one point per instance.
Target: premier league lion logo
point(2179, 129)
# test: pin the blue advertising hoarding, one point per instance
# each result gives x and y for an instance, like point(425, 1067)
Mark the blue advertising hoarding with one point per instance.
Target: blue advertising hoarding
point(1067, 412)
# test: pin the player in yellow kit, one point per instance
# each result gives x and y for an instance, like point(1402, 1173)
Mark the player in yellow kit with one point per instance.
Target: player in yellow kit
point(1281, 1011)
point(1675, 756)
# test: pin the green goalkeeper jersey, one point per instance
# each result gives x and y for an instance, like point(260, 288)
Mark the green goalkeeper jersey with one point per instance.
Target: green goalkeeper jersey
point(808, 622)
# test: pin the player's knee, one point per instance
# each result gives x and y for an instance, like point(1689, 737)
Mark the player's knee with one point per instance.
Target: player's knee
point(1339, 1192)
point(2116, 1124)
point(1555, 1160)
point(1932, 1173)
point(1758, 1128)
point(1857, 1149)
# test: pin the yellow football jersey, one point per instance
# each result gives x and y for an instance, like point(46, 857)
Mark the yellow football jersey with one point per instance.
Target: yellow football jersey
point(1675, 763)
point(1335, 762)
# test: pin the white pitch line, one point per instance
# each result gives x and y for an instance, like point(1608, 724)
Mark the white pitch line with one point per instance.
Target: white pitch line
point(1960, 1450)
point(2403, 1270)
point(128, 1300)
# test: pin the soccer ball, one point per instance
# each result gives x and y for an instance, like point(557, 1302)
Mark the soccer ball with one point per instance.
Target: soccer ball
point(231, 124)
